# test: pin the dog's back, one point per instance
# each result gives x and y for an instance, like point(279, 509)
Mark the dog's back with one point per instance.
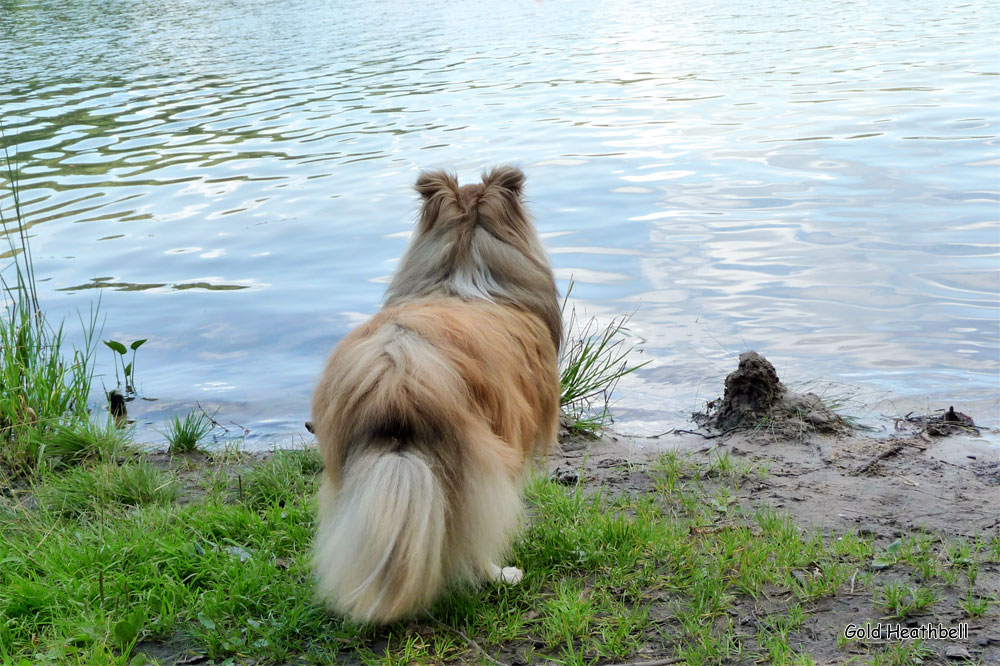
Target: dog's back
point(425, 417)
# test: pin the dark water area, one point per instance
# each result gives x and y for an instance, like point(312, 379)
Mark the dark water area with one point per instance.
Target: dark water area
point(232, 181)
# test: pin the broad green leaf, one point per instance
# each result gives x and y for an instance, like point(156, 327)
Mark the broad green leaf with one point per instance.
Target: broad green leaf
point(127, 630)
point(138, 343)
point(117, 346)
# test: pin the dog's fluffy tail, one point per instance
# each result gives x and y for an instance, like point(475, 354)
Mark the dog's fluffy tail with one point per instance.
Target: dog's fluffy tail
point(419, 491)
point(379, 545)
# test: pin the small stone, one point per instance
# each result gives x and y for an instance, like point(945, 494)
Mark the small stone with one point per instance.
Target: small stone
point(565, 476)
point(241, 553)
point(957, 652)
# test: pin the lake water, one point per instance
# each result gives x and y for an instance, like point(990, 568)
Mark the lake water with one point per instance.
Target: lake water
point(816, 181)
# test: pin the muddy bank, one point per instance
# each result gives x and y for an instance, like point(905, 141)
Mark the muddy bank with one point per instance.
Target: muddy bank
point(944, 489)
point(949, 485)
point(935, 482)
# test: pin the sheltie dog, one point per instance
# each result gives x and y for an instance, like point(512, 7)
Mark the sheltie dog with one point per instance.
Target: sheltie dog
point(427, 415)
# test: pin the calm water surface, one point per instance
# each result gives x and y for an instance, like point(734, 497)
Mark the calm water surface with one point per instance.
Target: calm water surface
point(817, 181)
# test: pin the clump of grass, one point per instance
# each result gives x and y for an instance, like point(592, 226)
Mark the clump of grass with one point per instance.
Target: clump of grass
point(910, 653)
point(287, 474)
point(227, 452)
point(185, 435)
point(594, 359)
point(70, 443)
point(904, 600)
point(107, 487)
point(41, 384)
point(773, 638)
point(849, 402)
point(973, 604)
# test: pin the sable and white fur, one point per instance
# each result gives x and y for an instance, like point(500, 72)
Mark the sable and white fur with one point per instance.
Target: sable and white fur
point(427, 414)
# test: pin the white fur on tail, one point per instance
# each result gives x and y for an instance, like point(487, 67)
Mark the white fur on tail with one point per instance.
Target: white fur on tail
point(380, 539)
point(384, 547)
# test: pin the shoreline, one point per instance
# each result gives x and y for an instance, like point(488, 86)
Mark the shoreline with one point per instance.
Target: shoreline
point(877, 419)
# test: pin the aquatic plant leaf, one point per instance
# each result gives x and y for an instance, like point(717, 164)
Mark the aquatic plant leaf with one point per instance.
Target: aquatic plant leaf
point(138, 343)
point(117, 346)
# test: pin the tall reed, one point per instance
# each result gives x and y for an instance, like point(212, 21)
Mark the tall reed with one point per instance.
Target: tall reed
point(42, 383)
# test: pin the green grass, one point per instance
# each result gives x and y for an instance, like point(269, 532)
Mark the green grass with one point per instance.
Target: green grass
point(108, 558)
point(910, 653)
point(286, 474)
point(974, 605)
point(43, 384)
point(83, 492)
point(594, 358)
point(902, 601)
point(185, 435)
point(66, 444)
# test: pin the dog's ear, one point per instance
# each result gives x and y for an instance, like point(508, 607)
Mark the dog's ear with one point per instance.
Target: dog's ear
point(430, 183)
point(508, 177)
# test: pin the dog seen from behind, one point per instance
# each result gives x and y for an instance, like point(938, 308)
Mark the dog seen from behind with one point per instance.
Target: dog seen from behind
point(428, 414)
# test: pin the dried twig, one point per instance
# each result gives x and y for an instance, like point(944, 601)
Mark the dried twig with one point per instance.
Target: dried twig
point(211, 419)
point(891, 451)
point(216, 424)
point(678, 431)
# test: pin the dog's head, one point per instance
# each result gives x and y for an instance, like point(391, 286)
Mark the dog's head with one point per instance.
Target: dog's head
point(478, 242)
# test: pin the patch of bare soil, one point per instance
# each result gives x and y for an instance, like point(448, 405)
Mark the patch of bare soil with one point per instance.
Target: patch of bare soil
point(947, 488)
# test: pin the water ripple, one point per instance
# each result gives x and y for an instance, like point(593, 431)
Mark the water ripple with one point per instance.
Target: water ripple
point(235, 178)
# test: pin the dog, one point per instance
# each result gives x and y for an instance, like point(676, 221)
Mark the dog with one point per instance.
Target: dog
point(428, 415)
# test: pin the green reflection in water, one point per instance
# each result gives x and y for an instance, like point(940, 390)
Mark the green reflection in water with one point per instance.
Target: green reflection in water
point(106, 283)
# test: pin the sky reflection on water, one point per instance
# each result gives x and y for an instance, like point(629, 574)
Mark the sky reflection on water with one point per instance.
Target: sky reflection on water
point(233, 179)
